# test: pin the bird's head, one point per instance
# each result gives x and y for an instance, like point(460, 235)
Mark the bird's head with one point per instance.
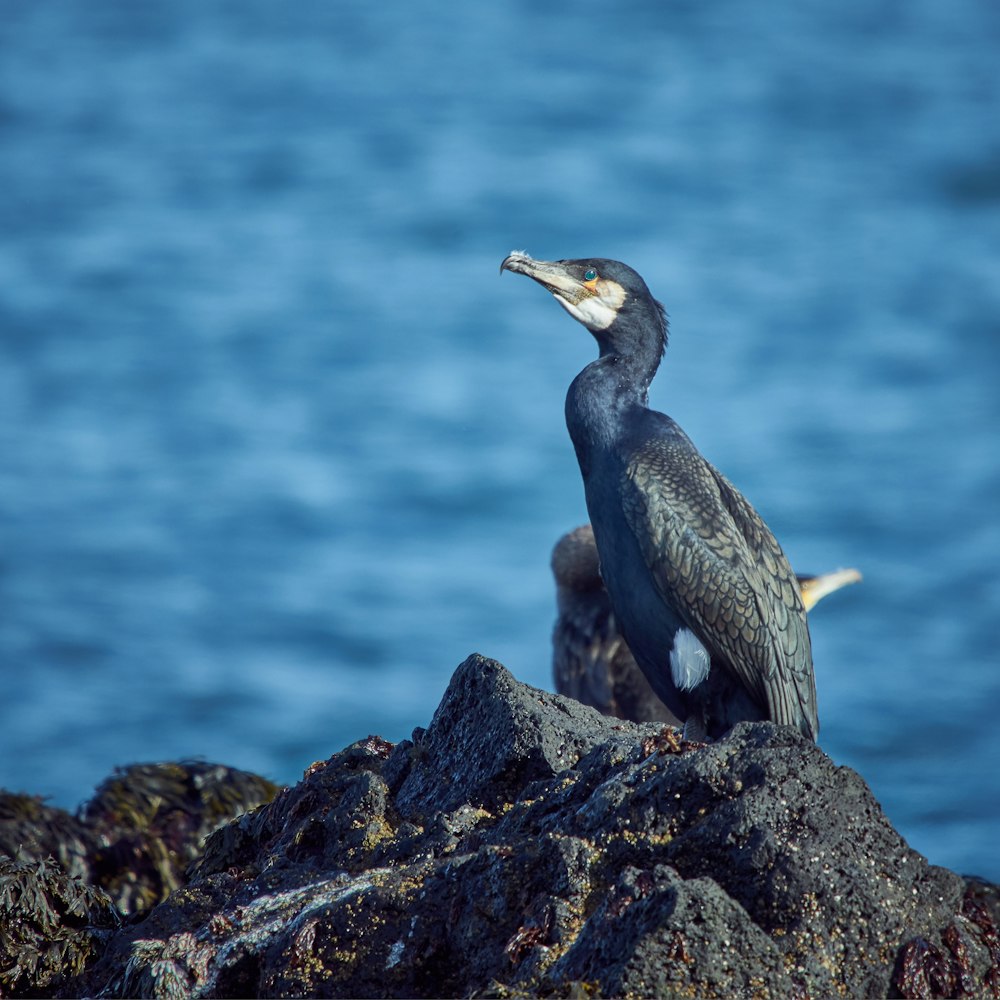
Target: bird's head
point(575, 562)
point(606, 296)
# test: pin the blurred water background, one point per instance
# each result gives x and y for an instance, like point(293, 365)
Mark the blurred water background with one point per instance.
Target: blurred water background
point(278, 447)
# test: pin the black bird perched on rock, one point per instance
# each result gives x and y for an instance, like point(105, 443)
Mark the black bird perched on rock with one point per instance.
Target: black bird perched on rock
point(591, 662)
point(700, 588)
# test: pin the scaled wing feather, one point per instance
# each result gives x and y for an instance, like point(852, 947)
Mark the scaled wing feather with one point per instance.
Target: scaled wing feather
point(719, 567)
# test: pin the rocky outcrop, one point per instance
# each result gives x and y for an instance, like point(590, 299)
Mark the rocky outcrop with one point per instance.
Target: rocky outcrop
point(524, 845)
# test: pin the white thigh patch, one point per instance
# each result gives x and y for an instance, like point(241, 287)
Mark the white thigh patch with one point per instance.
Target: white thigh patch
point(689, 660)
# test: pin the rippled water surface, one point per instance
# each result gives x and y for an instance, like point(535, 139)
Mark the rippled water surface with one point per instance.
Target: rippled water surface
point(278, 448)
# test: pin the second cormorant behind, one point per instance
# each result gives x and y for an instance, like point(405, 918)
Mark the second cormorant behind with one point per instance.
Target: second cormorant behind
point(591, 662)
point(700, 587)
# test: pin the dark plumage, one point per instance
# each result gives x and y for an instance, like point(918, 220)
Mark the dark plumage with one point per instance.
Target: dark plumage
point(591, 662)
point(701, 590)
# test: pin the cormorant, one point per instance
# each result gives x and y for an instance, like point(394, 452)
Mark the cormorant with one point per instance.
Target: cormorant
point(700, 588)
point(591, 662)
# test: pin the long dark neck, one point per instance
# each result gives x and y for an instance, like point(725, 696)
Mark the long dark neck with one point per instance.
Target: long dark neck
point(597, 403)
point(637, 339)
point(603, 395)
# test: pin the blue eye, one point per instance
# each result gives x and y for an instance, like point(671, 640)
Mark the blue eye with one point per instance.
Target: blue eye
point(590, 275)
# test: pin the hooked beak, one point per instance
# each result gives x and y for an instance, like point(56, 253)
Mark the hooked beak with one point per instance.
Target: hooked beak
point(556, 276)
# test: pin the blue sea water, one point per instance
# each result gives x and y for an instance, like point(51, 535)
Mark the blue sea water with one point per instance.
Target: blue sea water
point(278, 447)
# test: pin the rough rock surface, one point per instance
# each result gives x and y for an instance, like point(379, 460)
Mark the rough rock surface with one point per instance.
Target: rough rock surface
point(525, 845)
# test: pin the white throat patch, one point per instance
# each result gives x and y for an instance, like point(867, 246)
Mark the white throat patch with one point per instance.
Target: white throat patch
point(689, 660)
point(596, 312)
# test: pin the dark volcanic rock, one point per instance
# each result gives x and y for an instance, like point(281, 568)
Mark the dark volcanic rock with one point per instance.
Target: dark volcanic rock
point(524, 845)
point(491, 736)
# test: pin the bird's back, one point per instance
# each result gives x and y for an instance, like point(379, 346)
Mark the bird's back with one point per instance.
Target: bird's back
point(715, 568)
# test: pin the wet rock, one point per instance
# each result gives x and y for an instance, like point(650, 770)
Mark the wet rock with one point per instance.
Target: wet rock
point(961, 960)
point(524, 845)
